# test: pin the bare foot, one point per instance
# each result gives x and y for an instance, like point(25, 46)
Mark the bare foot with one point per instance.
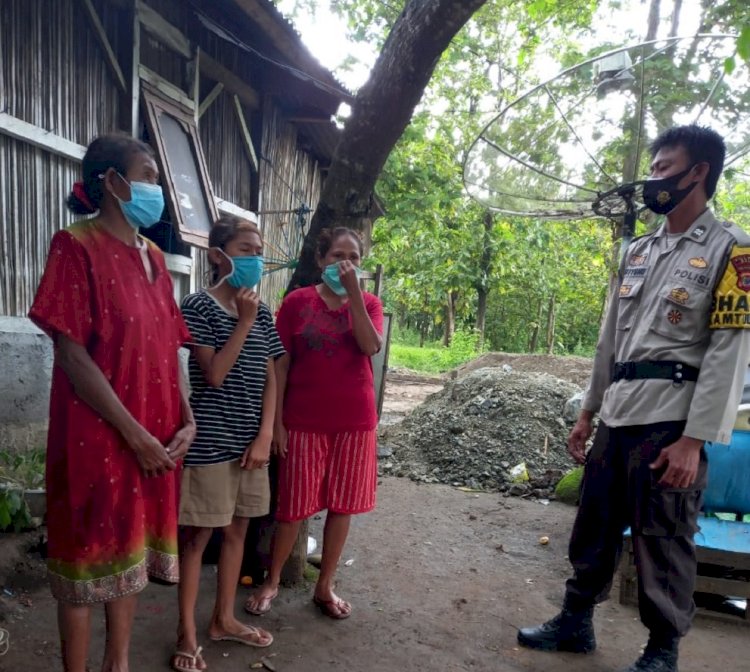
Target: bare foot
point(259, 602)
point(235, 631)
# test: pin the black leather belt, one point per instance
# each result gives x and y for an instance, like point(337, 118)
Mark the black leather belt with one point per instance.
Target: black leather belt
point(675, 371)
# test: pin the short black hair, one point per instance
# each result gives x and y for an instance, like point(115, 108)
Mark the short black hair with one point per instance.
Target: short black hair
point(701, 144)
point(115, 150)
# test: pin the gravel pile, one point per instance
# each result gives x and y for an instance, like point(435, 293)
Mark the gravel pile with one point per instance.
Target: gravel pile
point(479, 427)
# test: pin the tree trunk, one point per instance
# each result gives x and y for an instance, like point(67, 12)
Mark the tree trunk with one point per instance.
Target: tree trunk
point(450, 318)
point(482, 295)
point(381, 111)
point(534, 340)
point(551, 325)
point(485, 268)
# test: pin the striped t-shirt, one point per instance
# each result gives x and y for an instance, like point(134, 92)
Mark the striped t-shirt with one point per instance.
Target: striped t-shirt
point(227, 417)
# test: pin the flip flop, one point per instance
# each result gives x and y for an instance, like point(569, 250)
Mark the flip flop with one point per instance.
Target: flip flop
point(245, 638)
point(266, 600)
point(327, 608)
point(193, 659)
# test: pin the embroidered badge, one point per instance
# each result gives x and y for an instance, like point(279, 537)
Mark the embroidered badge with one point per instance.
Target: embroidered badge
point(663, 197)
point(679, 295)
point(674, 316)
point(731, 304)
point(698, 262)
point(741, 265)
point(625, 290)
point(638, 259)
point(699, 231)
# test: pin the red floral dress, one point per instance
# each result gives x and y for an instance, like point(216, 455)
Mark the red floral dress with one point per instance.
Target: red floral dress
point(109, 526)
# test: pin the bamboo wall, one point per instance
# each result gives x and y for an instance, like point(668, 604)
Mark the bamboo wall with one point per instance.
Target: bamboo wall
point(51, 75)
point(289, 178)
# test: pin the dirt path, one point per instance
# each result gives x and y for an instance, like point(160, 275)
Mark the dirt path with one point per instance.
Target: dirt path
point(440, 581)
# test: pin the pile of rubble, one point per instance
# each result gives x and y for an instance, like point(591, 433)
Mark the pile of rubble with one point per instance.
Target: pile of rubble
point(478, 430)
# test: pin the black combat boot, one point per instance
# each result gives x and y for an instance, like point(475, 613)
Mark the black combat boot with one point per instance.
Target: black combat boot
point(657, 657)
point(568, 631)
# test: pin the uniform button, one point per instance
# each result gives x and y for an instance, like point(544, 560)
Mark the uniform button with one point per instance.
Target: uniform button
point(678, 376)
point(678, 366)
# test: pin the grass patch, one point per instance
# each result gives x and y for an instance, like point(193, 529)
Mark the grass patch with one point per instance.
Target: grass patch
point(433, 357)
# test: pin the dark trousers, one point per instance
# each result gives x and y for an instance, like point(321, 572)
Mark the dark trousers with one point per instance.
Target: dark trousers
point(620, 490)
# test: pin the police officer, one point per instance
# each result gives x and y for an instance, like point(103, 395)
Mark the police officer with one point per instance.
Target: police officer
point(667, 376)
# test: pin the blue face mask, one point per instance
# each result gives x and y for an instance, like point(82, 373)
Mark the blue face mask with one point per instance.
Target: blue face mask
point(246, 271)
point(332, 280)
point(145, 205)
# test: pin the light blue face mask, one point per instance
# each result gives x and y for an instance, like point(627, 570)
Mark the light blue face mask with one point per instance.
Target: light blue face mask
point(145, 206)
point(246, 271)
point(332, 280)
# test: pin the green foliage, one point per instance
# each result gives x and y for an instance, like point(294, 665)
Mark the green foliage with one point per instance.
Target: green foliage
point(544, 282)
point(19, 472)
point(24, 470)
point(14, 512)
point(433, 358)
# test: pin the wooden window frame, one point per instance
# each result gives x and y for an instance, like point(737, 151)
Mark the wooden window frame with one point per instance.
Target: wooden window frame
point(154, 104)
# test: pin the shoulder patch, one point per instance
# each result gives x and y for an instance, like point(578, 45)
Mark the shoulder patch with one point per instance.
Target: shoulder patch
point(731, 304)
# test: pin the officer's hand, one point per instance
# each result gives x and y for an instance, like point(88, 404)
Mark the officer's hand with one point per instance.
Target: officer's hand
point(578, 437)
point(681, 460)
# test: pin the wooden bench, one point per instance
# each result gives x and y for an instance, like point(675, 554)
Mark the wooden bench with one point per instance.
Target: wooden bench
point(722, 546)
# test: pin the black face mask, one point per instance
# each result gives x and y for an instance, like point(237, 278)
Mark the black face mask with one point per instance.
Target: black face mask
point(662, 196)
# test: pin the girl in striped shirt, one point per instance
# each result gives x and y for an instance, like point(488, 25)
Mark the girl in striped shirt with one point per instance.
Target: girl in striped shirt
point(233, 396)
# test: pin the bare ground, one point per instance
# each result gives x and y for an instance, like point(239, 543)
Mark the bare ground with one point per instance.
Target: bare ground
point(440, 581)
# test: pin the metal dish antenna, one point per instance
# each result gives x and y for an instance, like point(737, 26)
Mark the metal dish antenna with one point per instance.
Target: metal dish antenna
point(568, 147)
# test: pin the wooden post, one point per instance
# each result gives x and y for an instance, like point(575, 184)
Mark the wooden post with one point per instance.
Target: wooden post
point(130, 107)
point(294, 570)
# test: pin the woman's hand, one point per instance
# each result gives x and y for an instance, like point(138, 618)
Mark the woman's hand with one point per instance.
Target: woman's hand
point(280, 438)
point(151, 454)
point(247, 306)
point(256, 455)
point(178, 447)
point(348, 276)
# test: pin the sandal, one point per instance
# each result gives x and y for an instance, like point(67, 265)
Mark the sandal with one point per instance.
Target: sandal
point(250, 637)
point(333, 608)
point(259, 610)
point(194, 658)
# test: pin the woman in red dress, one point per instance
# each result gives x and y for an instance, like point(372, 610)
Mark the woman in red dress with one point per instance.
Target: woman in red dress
point(327, 418)
point(119, 415)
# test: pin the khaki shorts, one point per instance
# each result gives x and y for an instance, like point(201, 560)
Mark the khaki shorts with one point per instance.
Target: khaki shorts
point(211, 495)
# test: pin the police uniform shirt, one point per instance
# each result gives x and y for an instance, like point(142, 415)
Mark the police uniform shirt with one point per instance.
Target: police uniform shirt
point(685, 301)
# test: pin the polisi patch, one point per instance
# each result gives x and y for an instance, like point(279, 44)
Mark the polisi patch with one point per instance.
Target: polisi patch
point(692, 276)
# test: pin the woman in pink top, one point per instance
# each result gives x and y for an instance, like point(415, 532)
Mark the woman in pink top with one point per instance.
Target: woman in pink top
point(326, 423)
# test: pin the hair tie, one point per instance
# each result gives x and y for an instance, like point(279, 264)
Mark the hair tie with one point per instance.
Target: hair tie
point(80, 193)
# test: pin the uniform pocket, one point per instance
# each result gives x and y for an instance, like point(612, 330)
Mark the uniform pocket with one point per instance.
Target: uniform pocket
point(628, 301)
point(672, 512)
point(681, 313)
